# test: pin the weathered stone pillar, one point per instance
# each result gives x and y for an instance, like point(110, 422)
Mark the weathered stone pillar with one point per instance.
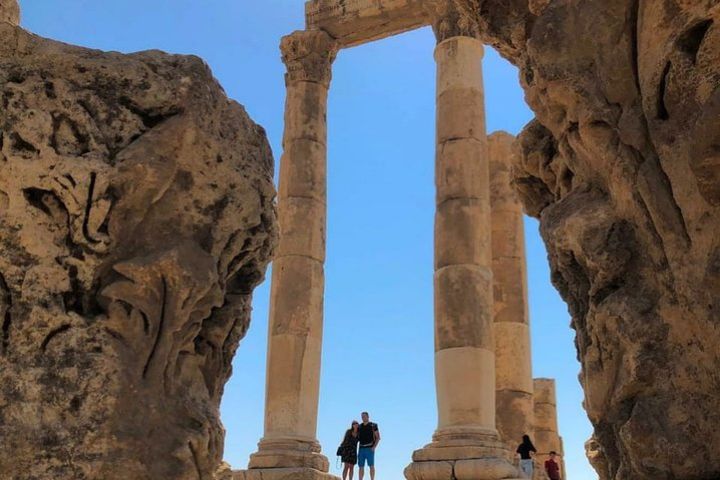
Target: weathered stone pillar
point(465, 445)
point(513, 368)
point(289, 446)
point(10, 12)
point(546, 424)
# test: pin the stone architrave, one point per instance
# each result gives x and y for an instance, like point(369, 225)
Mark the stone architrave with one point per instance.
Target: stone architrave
point(546, 438)
point(513, 367)
point(289, 448)
point(465, 445)
point(353, 22)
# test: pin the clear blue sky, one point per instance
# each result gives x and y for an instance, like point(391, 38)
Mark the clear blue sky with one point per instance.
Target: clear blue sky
point(378, 346)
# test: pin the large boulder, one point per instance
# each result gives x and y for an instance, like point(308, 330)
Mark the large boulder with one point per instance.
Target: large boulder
point(136, 217)
point(622, 167)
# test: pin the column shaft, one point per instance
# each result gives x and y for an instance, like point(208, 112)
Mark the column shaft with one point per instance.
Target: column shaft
point(464, 356)
point(514, 383)
point(297, 291)
point(547, 438)
point(465, 445)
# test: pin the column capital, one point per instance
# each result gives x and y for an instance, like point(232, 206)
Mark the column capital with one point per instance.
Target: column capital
point(308, 56)
point(454, 18)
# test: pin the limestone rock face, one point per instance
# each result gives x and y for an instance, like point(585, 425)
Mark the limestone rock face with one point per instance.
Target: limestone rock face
point(136, 217)
point(9, 12)
point(622, 167)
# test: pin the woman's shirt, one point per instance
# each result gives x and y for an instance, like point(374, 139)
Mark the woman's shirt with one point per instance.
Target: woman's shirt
point(524, 451)
point(350, 440)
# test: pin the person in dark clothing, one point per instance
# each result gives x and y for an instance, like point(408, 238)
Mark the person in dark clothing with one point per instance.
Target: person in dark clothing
point(526, 450)
point(348, 451)
point(552, 468)
point(369, 436)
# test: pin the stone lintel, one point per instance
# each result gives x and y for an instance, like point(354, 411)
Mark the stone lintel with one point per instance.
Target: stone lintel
point(354, 22)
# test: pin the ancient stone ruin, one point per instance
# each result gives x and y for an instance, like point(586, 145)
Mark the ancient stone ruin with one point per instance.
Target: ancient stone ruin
point(481, 325)
point(620, 166)
point(137, 216)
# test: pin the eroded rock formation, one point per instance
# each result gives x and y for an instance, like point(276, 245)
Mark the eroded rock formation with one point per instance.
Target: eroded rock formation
point(136, 217)
point(10, 12)
point(622, 167)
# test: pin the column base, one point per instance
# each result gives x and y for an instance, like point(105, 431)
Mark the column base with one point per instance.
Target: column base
point(282, 474)
point(289, 453)
point(463, 454)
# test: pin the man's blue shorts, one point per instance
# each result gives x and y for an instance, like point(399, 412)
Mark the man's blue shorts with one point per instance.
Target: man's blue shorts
point(366, 453)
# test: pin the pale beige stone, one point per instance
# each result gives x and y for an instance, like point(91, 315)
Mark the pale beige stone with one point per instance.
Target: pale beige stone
point(544, 390)
point(513, 350)
point(283, 474)
point(136, 219)
point(461, 114)
point(464, 347)
point(514, 383)
point(297, 290)
point(302, 227)
point(10, 12)
point(353, 22)
point(460, 170)
point(305, 112)
point(460, 401)
point(275, 454)
point(484, 468)
point(461, 238)
point(420, 470)
point(461, 58)
point(306, 174)
point(546, 438)
point(463, 307)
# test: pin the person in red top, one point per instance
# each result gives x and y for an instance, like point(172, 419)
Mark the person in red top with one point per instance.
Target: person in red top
point(552, 468)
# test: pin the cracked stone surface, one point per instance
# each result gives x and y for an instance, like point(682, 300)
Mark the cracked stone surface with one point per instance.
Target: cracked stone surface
point(136, 217)
point(622, 167)
point(10, 11)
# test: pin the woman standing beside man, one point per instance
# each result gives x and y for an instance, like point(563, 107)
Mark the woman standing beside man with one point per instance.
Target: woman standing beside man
point(348, 451)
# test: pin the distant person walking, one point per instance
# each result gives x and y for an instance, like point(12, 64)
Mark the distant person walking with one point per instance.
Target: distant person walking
point(552, 468)
point(526, 450)
point(369, 436)
point(348, 450)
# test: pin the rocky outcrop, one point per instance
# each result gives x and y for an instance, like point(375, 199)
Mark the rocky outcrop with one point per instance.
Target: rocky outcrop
point(136, 217)
point(622, 167)
point(10, 12)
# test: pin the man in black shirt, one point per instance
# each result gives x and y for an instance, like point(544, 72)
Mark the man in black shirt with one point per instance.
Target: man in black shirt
point(369, 437)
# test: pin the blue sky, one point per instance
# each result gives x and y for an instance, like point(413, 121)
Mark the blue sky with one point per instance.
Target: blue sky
point(378, 346)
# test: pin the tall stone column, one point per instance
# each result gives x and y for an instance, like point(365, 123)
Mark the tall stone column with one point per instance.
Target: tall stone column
point(465, 445)
point(513, 368)
point(547, 438)
point(289, 448)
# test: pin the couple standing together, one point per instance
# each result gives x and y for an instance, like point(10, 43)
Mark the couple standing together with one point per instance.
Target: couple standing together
point(366, 435)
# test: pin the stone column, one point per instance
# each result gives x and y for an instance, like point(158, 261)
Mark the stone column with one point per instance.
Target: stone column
point(10, 12)
point(465, 445)
point(513, 368)
point(289, 448)
point(546, 424)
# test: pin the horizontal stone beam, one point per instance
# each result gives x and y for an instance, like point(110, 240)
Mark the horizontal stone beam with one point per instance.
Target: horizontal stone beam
point(353, 22)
